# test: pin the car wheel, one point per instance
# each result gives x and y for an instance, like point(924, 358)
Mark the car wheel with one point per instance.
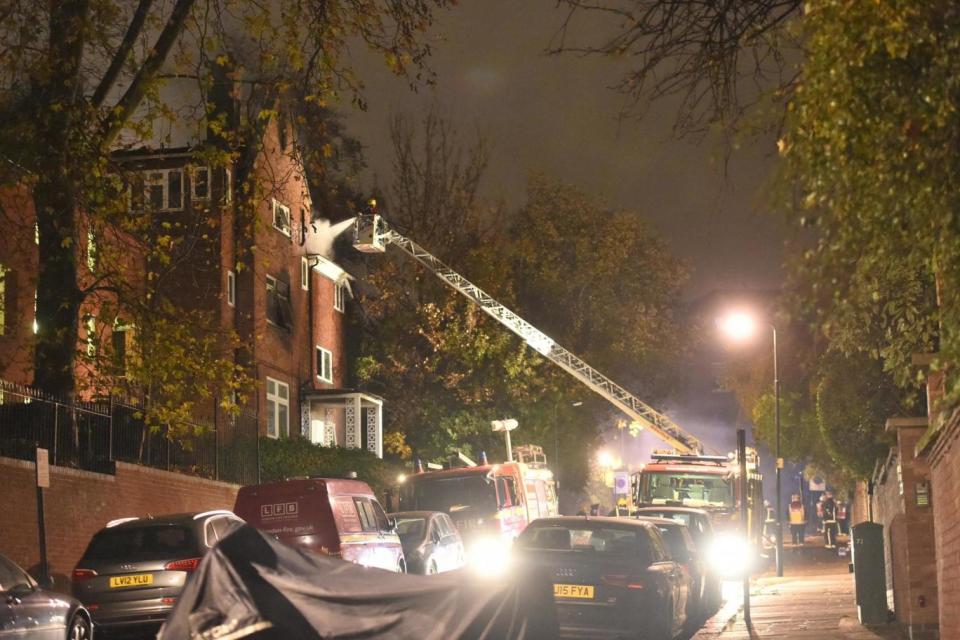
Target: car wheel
point(432, 569)
point(662, 629)
point(79, 628)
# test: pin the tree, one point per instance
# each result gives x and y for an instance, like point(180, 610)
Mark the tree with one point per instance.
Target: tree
point(82, 77)
point(854, 399)
point(447, 369)
point(869, 165)
point(716, 58)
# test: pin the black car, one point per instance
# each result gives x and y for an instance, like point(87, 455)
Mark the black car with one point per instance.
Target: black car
point(701, 530)
point(685, 553)
point(133, 570)
point(611, 577)
point(27, 611)
point(431, 544)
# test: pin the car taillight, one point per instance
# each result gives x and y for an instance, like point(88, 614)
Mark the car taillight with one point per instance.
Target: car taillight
point(624, 581)
point(189, 565)
point(80, 575)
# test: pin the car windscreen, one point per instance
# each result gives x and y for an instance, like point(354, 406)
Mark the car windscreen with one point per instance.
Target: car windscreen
point(588, 539)
point(142, 543)
point(410, 528)
point(691, 489)
point(474, 493)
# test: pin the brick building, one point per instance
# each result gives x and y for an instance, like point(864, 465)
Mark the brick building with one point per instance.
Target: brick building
point(258, 280)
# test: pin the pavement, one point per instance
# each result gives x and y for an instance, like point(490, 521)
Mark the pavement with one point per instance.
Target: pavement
point(813, 601)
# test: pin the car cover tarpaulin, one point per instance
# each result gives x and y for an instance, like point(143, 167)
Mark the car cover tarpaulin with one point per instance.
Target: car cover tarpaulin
point(253, 586)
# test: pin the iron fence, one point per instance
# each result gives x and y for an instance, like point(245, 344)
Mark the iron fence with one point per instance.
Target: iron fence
point(94, 435)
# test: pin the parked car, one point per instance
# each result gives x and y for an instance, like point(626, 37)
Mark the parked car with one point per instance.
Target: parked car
point(27, 611)
point(134, 569)
point(431, 544)
point(701, 530)
point(612, 577)
point(336, 517)
point(684, 552)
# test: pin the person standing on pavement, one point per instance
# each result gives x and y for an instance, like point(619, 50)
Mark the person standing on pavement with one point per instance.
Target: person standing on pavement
point(798, 519)
point(830, 521)
point(842, 516)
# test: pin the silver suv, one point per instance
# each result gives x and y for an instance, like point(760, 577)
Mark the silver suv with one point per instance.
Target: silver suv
point(134, 568)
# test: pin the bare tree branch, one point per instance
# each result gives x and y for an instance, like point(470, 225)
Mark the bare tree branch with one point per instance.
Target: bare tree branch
point(123, 51)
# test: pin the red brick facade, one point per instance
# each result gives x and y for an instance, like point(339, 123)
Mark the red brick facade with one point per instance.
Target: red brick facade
point(944, 458)
point(79, 503)
point(908, 530)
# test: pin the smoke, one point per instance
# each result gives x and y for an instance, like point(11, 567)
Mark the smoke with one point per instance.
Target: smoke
point(320, 234)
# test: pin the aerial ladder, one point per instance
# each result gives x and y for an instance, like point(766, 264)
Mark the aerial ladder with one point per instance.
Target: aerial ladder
point(372, 234)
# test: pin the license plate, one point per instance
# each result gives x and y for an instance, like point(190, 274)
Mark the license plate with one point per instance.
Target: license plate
point(584, 591)
point(137, 580)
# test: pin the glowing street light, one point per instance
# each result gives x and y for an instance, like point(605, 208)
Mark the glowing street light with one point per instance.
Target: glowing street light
point(742, 326)
point(605, 459)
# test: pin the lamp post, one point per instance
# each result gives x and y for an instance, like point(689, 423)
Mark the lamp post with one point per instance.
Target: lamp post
point(741, 326)
point(506, 426)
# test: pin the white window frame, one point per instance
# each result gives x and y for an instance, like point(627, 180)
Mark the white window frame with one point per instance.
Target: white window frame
point(277, 400)
point(275, 206)
point(324, 364)
point(163, 183)
point(231, 288)
point(304, 273)
point(339, 294)
point(193, 183)
point(90, 325)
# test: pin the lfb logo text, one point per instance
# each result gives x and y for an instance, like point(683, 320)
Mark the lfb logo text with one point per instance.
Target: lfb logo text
point(279, 509)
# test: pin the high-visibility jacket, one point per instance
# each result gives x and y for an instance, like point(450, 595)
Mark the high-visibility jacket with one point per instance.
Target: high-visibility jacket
point(797, 516)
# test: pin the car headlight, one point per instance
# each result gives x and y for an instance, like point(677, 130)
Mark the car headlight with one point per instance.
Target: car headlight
point(731, 556)
point(489, 556)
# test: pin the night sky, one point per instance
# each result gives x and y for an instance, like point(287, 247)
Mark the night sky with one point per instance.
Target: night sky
point(557, 114)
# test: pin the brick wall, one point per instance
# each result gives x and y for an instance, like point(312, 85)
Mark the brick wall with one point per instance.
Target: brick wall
point(78, 503)
point(945, 479)
point(908, 531)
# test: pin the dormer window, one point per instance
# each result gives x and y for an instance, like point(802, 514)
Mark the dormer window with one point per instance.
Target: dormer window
point(162, 191)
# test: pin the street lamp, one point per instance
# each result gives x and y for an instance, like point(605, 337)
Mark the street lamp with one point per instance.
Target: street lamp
point(506, 426)
point(741, 326)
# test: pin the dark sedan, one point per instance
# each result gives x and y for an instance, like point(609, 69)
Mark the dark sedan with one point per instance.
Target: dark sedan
point(684, 552)
point(27, 611)
point(134, 569)
point(701, 530)
point(611, 577)
point(431, 544)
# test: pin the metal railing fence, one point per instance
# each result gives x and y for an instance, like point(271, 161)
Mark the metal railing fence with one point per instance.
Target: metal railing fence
point(94, 435)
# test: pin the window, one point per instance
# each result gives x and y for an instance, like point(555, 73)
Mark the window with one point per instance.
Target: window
point(278, 303)
point(338, 294)
point(381, 518)
point(231, 288)
point(324, 364)
point(368, 519)
point(162, 191)
point(36, 325)
point(92, 252)
point(278, 408)
point(90, 323)
point(281, 218)
point(3, 300)
point(120, 343)
point(304, 273)
point(200, 183)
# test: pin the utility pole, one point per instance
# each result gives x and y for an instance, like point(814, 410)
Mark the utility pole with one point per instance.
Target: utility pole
point(744, 513)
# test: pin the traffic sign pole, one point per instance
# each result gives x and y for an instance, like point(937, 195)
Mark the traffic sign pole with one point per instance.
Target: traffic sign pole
point(43, 480)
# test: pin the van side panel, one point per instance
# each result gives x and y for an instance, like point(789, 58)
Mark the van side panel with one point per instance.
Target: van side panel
point(296, 512)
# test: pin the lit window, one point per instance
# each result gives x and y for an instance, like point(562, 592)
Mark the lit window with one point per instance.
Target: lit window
point(231, 288)
point(36, 233)
point(278, 408)
point(278, 303)
point(200, 183)
point(91, 251)
point(121, 341)
point(90, 323)
point(338, 296)
point(324, 364)
point(281, 218)
point(163, 190)
point(304, 274)
point(36, 325)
